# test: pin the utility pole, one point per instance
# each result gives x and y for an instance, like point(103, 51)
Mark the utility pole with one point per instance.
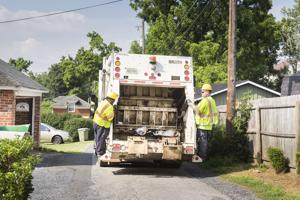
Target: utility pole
point(143, 35)
point(231, 67)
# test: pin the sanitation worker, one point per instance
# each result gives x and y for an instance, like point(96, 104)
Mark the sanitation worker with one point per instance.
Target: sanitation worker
point(103, 118)
point(206, 117)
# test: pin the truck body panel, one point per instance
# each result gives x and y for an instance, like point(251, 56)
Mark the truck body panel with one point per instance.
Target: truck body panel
point(154, 112)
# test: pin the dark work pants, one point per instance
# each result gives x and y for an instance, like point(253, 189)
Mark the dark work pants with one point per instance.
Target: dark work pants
point(100, 134)
point(203, 136)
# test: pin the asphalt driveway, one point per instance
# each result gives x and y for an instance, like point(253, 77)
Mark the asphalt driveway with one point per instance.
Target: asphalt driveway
point(78, 177)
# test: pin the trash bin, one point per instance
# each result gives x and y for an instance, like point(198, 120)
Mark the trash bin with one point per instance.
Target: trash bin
point(83, 134)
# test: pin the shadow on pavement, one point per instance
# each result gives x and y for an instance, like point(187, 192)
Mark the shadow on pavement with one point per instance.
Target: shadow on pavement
point(66, 159)
point(188, 170)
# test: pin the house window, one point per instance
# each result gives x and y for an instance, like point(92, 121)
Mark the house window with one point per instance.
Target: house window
point(71, 107)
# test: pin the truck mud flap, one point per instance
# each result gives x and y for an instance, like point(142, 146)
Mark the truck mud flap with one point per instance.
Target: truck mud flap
point(172, 152)
point(137, 145)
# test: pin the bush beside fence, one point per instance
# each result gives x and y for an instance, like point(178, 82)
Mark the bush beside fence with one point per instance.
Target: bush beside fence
point(298, 162)
point(16, 166)
point(278, 161)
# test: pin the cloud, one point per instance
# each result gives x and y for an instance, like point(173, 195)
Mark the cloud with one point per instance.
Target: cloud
point(42, 40)
point(45, 40)
point(57, 22)
point(27, 46)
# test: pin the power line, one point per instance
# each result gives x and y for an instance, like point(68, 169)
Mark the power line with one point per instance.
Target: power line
point(59, 13)
point(194, 21)
point(181, 29)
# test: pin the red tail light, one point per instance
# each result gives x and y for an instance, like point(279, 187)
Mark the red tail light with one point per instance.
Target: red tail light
point(152, 59)
point(152, 77)
point(189, 150)
point(116, 147)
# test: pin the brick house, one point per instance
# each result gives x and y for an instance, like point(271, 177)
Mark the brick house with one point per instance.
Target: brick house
point(71, 104)
point(20, 100)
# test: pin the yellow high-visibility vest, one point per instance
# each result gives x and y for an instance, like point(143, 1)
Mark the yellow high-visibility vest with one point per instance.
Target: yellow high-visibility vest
point(208, 114)
point(104, 114)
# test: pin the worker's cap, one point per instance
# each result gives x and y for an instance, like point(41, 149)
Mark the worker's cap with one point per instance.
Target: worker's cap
point(113, 95)
point(207, 87)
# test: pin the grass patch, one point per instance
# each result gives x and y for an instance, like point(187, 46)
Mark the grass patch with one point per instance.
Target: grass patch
point(263, 190)
point(224, 165)
point(72, 147)
point(257, 178)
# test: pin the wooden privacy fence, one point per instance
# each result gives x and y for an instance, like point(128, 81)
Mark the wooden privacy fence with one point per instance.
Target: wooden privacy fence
point(274, 122)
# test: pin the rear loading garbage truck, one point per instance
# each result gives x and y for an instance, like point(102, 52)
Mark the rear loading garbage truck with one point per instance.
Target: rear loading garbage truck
point(154, 118)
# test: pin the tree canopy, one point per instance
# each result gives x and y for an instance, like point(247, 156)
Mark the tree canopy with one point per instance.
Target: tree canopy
point(180, 27)
point(21, 64)
point(78, 75)
point(291, 35)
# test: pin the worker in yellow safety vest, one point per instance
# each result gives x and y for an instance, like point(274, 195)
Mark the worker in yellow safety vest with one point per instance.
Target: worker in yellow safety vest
point(206, 116)
point(103, 118)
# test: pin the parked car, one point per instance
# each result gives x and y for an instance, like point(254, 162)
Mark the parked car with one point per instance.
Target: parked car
point(50, 134)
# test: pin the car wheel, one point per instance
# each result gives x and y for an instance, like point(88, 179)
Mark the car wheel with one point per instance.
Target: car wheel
point(57, 140)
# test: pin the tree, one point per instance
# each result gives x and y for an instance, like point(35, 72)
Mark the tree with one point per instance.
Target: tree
point(56, 84)
point(150, 10)
point(291, 35)
point(175, 25)
point(21, 64)
point(209, 66)
point(135, 48)
point(80, 73)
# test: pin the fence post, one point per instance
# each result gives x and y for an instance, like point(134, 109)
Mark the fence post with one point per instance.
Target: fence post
point(258, 146)
point(297, 133)
point(297, 126)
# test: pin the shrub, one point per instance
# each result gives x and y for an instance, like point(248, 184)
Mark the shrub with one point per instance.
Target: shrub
point(298, 162)
point(233, 145)
point(240, 122)
point(72, 126)
point(16, 166)
point(57, 120)
point(46, 106)
point(277, 159)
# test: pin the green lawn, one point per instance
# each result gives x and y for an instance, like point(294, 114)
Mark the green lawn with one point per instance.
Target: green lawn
point(70, 147)
point(240, 173)
point(262, 190)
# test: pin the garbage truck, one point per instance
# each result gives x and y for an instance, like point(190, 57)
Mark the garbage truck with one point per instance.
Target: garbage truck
point(154, 117)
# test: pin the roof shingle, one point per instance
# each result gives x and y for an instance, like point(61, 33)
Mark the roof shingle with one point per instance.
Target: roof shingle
point(11, 77)
point(63, 101)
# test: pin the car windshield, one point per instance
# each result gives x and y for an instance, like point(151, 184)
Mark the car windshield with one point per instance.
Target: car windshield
point(48, 126)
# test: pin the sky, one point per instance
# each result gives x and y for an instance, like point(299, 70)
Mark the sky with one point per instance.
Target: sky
point(45, 40)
